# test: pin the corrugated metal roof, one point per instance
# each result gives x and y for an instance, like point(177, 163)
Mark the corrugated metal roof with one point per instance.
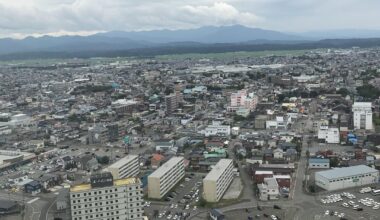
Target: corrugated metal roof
point(346, 171)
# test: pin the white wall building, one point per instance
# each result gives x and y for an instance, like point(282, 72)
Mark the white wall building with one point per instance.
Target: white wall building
point(362, 115)
point(218, 180)
point(217, 130)
point(329, 135)
point(166, 177)
point(340, 178)
point(269, 189)
point(107, 199)
point(127, 166)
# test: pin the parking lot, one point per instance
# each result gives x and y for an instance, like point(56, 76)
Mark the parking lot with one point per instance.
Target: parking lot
point(181, 202)
point(260, 213)
point(352, 203)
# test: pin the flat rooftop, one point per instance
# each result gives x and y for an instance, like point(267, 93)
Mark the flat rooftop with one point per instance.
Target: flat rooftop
point(218, 169)
point(346, 171)
point(166, 166)
point(123, 161)
point(362, 104)
point(118, 182)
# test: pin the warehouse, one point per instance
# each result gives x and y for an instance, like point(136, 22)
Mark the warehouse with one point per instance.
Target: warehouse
point(340, 178)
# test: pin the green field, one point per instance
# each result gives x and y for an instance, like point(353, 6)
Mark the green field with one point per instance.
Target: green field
point(227, 55)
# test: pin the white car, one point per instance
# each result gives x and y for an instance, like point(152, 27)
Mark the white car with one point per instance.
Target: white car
point(169, 217)
point(376, 207)
point(273, 217)
point(195, 208)
point(327, 212)
point(187, 207)
point(345, 205)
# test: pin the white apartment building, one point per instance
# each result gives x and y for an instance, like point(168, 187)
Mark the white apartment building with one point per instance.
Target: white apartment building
point(347, 177)
point(362, 115)
point(218, 180)
point(329, 135)
point(166, 177)
point(107, 199)
point(127, 166)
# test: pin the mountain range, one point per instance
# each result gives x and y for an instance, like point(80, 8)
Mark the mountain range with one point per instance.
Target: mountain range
point(204, 37)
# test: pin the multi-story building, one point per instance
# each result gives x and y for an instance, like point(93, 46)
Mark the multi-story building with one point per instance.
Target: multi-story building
point(362, 115)
point(218, 180)
point(328, 135)
point(128, 166)
point(241, 99)
point(105, 198)
point(171, 103)
point(166, 177)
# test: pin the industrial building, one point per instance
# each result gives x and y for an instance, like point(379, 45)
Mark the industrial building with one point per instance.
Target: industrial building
point(128, 166)
point(340, 178)
point(218, 180)
point(105, 199)
point(362, 115)
point(9, 159)
point(166, 177)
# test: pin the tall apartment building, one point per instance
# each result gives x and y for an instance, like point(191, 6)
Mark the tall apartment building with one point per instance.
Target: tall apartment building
point(166, 177)
point(105, 198)
point(362, 115)
point(218, 180)
point(241, 99)
point(171, 103)
point(127, 166)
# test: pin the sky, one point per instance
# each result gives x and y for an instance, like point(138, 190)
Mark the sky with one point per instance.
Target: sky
point(20, 18)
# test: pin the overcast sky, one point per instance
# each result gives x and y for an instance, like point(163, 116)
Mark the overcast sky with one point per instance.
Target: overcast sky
point(26, 17)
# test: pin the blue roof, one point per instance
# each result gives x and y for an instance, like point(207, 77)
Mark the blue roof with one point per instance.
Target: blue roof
point(319, 160)
point(346, 171)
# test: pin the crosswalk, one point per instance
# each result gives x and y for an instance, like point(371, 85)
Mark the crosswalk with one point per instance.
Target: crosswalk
point(33, 200)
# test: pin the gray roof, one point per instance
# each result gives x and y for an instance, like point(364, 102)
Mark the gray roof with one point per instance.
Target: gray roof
point(7, 204)
point(346, 171)
point(319, 160)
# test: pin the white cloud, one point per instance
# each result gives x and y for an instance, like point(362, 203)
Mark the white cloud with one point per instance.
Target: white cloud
point(23, 17)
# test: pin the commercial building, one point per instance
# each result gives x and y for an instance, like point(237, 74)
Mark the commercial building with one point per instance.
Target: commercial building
point(340, 178)
point(127, 166)
point(166, 177)
point(105, 198)
point(218, 180)
point(362, 115)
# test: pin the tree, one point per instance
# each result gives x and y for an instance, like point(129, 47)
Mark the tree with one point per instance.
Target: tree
point(334, 162)
point(368, 92)
point(343, 91)
point(103, 160)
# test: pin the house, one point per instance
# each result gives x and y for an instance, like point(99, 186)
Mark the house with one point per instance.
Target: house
point(33, 187)
point(164, 145)
point(216, 214)
point(278, 153)
point(269, 189)
point(319, 163)
point(156, 160)
point(48, 180)
point(87, 162)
